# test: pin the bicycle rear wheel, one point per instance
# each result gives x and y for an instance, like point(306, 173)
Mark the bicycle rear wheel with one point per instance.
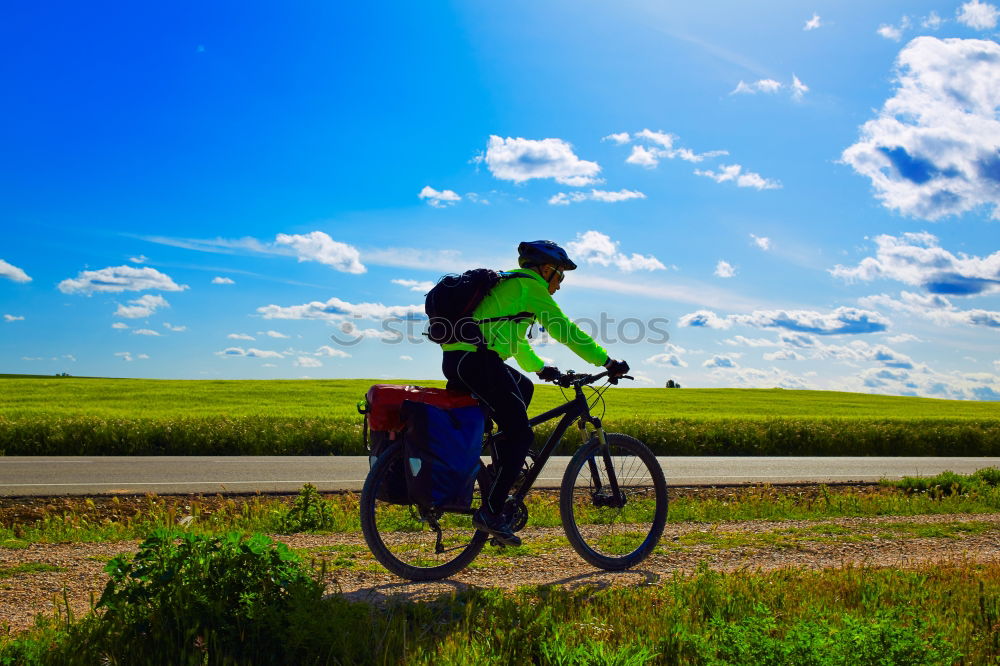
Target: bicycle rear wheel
point(612, 532)
point(402, 537)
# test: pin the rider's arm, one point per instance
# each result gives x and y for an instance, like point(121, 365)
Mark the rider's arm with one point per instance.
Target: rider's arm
point(526, 357)
point(559, 326)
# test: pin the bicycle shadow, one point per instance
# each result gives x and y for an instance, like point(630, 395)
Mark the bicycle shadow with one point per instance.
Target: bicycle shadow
point(411, 591)
point(602, 580)
point(406, 591)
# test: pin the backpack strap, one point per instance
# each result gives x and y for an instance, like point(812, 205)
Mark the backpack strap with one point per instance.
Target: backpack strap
point(520, 316)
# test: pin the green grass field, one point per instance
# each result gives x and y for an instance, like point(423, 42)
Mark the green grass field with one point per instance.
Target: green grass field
point(78, 416)
point(336, 398)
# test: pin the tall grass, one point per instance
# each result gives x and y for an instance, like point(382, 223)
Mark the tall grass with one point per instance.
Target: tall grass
point(854, 615)
point(277, 435)
point(69, 416)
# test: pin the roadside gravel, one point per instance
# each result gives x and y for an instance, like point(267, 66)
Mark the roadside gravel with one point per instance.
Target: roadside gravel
point(80, 576)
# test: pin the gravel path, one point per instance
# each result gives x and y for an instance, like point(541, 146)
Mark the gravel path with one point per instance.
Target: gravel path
point(884, 541)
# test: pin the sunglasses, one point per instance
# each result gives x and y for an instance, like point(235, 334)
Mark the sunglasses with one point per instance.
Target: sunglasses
point(560, 274)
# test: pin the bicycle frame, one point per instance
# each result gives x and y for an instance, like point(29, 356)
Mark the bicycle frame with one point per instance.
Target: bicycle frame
point(577, 409)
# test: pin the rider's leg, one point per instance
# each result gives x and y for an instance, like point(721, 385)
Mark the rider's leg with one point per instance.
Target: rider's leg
point(507, 393)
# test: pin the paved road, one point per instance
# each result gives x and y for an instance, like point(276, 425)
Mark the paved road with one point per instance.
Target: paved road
point(205, 474)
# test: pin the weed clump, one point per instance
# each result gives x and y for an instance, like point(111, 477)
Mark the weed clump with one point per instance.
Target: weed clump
point(309, 512)
point(192, 595)
point(946, 484)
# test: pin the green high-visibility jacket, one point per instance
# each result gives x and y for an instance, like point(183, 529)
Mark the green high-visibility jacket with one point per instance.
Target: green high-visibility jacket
point(508, 338)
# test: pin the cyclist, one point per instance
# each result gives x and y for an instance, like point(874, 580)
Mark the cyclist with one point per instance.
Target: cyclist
point(501, 388)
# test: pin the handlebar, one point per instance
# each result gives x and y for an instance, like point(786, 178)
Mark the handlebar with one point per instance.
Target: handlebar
point(568, 379)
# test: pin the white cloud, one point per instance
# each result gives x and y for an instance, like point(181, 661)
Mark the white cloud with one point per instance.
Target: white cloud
point(415, 285)
point(934, 149)
point(735, 173)
point(705, 319)
point(141, 259)
point(619, 138)
point(594, 247)
point(117, 279)
point(565, 199)
point(273, 334)
point(127, 356)
point(327, 350)
point(12, 272)
point(119, 325)
point(740, 341)
point(223, 280)
point(404, 357)
point(10, 317)
point(307, 362)
point(767, 86)
point(660, 145)
point(145, 331)
point(175, 329)
point(890, 32)
point(842, 321)
point(799, 89)
point(813, 23)
point(643, 156)
point(917, 259)
point(932, 21)
point(903, 337)
point(933, 307)
point(439, 199)
point(336, 309)
point(770, 87)
point(763, 242)
point(144, 306)
point(978, 15)
point(671, 356)
point(722, 361)
point(249, 353)
point(521, 160)
point(240, 336)
point(724, 269)
point(318, 246)
point(784, 355)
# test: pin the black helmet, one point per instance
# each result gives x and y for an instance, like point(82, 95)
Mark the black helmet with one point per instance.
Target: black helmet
point(539, 253)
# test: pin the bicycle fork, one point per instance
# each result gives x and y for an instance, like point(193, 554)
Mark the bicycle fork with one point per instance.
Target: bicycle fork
point(616, 499)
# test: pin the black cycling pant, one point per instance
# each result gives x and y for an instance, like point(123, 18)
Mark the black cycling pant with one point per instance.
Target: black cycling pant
point(507, 393)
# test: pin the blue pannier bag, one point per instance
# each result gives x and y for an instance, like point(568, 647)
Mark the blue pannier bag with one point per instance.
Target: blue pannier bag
point(442, 449)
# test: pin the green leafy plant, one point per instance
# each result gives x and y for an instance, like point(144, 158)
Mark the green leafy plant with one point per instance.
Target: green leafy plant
point(190, 595)
point(309, 513)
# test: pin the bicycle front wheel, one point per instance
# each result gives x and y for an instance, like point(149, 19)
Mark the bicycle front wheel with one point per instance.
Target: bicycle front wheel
point(402, 538)
point(613, 531)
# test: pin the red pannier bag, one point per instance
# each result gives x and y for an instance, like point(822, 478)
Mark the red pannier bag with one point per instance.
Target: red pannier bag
point(383, 426)
point(385, 400)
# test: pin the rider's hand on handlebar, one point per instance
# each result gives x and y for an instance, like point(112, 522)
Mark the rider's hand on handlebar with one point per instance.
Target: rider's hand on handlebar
point(616, 368)
point(549, 373)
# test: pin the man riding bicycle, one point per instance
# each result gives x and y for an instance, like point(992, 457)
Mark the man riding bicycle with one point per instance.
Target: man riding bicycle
point(505, 315)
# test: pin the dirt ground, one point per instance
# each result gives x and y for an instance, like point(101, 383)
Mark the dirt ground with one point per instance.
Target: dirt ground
point(76, 577)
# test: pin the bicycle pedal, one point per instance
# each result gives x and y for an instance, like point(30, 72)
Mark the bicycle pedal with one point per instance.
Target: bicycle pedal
point(496, 544)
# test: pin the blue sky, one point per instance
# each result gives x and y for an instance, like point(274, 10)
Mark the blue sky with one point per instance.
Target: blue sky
point(803, 196)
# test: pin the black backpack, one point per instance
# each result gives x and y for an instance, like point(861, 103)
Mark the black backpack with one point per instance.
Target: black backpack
point(450, 303)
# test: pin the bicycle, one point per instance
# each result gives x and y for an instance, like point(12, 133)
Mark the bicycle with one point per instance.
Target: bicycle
point(612, 499)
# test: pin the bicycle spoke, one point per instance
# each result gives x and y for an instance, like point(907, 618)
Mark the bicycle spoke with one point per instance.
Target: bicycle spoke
point(614, 530)
point(405, 541)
